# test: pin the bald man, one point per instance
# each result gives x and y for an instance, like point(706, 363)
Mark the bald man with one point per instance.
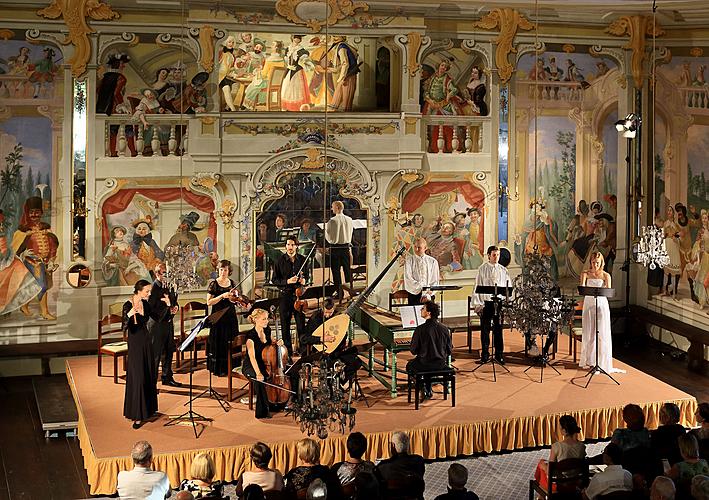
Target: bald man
point(420, 271)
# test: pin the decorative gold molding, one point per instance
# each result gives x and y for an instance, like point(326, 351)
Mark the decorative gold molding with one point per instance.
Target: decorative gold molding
point(568, 48)
point(337, 10)
point(638, 27)
point(696, 52)
point(413, 40)
point(313, 159)
point(75, 13)
point(6, 34)
point(206, 46)
point(509, 21)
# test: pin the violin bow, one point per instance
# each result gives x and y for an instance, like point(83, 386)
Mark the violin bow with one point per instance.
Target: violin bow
point(300, 271)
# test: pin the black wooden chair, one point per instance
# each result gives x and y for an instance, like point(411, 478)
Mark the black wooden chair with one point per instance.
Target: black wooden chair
point(564, 480)
point(445, 377)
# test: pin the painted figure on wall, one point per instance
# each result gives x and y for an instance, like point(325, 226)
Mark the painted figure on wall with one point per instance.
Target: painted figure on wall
point(120, 265)
point(228, 78)
point(295, 93)
point(18, 286)
point(539, 235)
point(194, 98)
point(36, 245)
point(322, 83)
point(143, 244)
point(476, 90)
point(110, 97)
point(347, 66)
point(184, 234)
point(43, 74)
point(256, 91)
point(441, 98)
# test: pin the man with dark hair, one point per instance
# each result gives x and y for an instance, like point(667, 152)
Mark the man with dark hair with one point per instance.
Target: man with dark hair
point(289, 274)
point(613, 478)
point(431, 343)
point(163, 307)
point(489, 274)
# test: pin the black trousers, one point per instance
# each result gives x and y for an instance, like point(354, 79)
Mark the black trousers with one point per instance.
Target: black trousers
point(414, 300)
point(340, 259)
point(419, 365)
point(287, 312)
point(261, 409)
point(163, 340)
point(489, 322)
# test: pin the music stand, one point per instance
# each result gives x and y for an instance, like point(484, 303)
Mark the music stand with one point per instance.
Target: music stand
point(190, 414)
point(497, 293)
point(212, 319)
point(595, 292)
point(442, 289)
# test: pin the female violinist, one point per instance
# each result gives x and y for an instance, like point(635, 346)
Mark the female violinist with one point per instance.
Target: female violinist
point(220, 334)
point(257, 339)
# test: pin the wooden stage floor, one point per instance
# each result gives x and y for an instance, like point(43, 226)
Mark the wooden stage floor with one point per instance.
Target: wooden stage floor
point(515, 412)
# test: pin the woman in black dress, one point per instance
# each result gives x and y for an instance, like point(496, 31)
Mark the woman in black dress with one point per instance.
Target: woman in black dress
point(223, 332)
point(256, 339)
point(141, 398)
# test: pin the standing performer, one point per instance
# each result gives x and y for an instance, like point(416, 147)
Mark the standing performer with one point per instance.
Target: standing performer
point(338, 233)
point(141, 396)
point(490, 273)
point(221, 333)
point(432, 343)
point(420, 271)
point(256, 339)
point(286, 277)
point(163, 306)
point(592, 307)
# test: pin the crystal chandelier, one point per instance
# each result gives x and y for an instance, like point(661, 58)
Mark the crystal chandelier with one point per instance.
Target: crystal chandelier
point(534, 308)
point(322, 406)
point(650, 249)
point(180, 263)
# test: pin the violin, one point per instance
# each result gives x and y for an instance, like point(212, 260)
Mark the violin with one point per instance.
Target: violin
point(275, 358)
point(238, 299)
point(300, 305)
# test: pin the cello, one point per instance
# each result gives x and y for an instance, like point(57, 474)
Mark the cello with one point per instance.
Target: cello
point(278, 389)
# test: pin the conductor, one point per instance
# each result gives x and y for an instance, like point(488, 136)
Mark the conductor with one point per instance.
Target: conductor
point(431, 343)
point(338, 233)
point(490, 273)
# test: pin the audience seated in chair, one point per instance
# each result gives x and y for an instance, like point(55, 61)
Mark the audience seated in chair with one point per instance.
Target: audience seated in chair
point(184, 495)
point(253, 492)
point(202, 484)
point(568, 447)
point(457, 479)
point(367, 486)
point(664, 438)
point(309, 469)
point(267, 479)
point(142, 482)
point(613, 478)
point(702, 434)
point(317, 490)
point(662, 489)
point(635, 434)
point(401, 465)
point(691, 465)
point(356, 447)
point(700, 487)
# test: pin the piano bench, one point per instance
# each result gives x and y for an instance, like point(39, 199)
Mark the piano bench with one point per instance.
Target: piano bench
point(416, 381)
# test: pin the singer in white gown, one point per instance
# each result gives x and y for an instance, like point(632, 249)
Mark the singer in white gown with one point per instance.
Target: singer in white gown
point(596, 277)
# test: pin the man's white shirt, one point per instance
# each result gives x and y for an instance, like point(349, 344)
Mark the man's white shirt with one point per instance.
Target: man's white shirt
point(338, 230)
point(490, 275)
point(420, 272)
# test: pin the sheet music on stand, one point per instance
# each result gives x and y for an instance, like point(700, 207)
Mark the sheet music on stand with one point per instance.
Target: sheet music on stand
point(411, 316)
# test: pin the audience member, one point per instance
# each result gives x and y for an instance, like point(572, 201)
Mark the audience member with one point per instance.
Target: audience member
point(635, 434)
point(457, 479)
point(184, 495)
point(309, 469)
point(401, 463)
point(613, 478)
point(664, 438)
point(317, 490)
point(267, 479)
point(702, 433)
point(367, 486)
point(202, 484)
point(700, 487)
point(142, 482)
point(356, 447)
point(568, 447)
point(691, 465)
point(253, 492)
point(662, 489)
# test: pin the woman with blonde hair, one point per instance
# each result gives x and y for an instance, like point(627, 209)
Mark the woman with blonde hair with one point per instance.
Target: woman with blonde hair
point(596, 314)
point(202, 484)
point(309, 469)
point(691, 465)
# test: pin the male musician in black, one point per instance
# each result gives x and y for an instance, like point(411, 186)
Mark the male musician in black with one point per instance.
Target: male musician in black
point(432, 344)
point(163, 306)
point(287, 278)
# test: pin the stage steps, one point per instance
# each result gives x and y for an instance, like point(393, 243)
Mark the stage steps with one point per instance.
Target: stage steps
point(55, 404)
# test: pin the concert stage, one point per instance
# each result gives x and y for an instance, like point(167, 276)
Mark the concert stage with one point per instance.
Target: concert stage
point(515, 412)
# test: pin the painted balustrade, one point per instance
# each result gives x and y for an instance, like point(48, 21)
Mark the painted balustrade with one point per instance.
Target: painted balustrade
point(456, 134)
point(165, 135)
point(696, 97)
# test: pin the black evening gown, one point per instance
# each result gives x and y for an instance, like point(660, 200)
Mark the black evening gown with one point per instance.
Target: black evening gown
point(262, 409)
point(222, 333)
point(141, 398)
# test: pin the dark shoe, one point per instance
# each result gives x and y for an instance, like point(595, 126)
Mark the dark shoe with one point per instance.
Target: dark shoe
point(264, 417)
point(137, 425)
point(172, 383)
point(483, 360)
point(500, 360)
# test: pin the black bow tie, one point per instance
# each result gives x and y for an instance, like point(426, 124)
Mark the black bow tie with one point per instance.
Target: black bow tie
point(147, 239)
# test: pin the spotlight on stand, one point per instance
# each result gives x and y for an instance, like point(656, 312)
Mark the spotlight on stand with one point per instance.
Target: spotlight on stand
point(628, 125)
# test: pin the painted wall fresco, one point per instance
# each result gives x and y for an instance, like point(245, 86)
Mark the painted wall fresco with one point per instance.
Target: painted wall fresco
point(138, 225)
point(274, 72)
point(30, 90)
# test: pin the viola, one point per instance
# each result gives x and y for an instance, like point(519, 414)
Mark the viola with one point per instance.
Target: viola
point(275, 357)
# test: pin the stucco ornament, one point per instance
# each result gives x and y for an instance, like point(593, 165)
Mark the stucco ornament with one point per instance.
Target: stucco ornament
point(315, 15)
point(509, 21)
point(638, 27)
point(75, 13)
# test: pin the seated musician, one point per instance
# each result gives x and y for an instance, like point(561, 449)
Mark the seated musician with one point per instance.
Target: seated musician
point(432, 344)
point(253, 365)
point(314, 335)
point(420, 271)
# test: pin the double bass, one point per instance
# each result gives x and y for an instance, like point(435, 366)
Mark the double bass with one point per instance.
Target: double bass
point(275, 357)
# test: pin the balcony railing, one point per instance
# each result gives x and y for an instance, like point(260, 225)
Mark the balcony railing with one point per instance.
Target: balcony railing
point(553, 91)
point(696, 97)
point(165, 135)
point(20, 87)
point(455, 134)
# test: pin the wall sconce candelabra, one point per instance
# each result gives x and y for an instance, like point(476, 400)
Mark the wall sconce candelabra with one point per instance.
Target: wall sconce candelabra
point(650, 250)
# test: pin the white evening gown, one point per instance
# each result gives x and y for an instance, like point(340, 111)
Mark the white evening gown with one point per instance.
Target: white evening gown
point(588, 342)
